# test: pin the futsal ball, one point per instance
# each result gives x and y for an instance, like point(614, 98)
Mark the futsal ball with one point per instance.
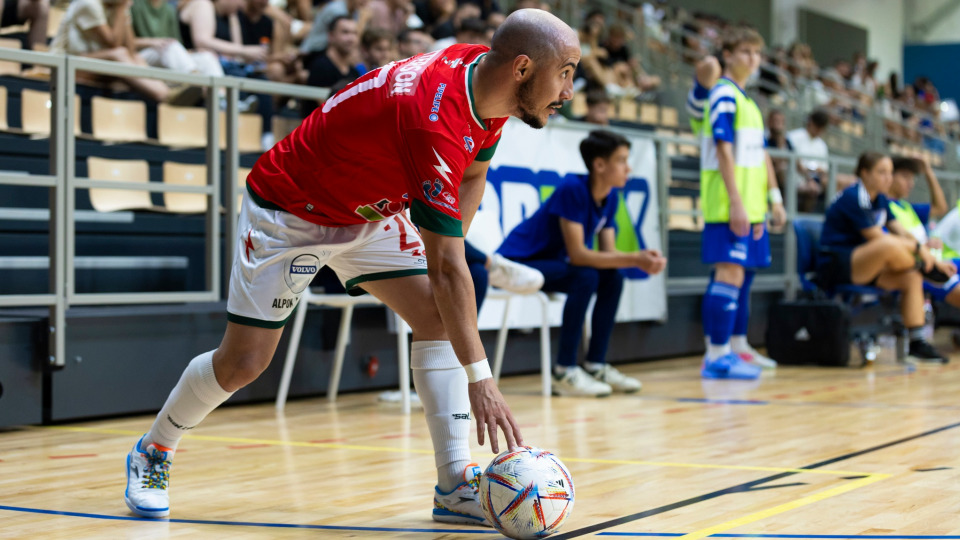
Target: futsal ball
point(526, 493)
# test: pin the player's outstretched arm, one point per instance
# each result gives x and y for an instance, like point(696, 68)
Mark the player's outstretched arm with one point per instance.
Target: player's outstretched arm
point(454, 294)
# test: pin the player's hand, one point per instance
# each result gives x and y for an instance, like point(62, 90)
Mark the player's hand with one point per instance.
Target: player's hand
point(929, 261)
point(778, 215)
point(934, 243)
point(490, 410)
point(757, 230)
point(946, 267)
point(651, 261)
point(708, 71)
point(739, 223)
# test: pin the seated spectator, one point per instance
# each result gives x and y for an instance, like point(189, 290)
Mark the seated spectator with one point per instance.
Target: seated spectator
point(435, 13)
point(472, 30)
point(807, 141)
point(256, 28)
point(558, 240)
point(855, 249)
point(448, 28)
point(487, 8)
point(206, 26)
point(625, 68)
point(316, 40)
point(413, 41)
point(379, 48)
point(17, 12)
point(392, 15)
point(338, 61)
point(101, 30)
point(158, 40)
point(598, 107)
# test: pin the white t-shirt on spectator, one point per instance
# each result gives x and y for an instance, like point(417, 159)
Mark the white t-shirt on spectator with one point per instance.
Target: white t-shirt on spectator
point(75, 35)
point(801, 143)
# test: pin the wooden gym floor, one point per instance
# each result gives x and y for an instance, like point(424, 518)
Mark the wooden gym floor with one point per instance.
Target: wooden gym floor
point(804, 453)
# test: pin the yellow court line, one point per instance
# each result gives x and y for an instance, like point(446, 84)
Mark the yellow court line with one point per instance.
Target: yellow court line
point(339, 446)
point(803, 501)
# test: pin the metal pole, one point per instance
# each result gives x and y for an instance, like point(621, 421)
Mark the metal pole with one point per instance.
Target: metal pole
point(61, 120)
point(790, 239)
point(231, 189)
point(213, 179)
point(663, 195)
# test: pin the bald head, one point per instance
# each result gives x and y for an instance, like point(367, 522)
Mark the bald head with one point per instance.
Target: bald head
point(534, 33)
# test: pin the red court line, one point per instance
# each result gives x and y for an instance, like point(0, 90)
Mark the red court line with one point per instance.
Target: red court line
point(73, 456)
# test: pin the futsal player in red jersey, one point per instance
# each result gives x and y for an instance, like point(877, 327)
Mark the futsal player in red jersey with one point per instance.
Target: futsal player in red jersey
point(415, 134)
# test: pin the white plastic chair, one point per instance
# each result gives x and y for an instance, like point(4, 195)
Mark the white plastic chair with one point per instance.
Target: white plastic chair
point(545, 365)
point(347, 303)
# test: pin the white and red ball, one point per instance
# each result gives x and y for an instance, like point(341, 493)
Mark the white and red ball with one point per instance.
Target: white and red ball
point(526, 493)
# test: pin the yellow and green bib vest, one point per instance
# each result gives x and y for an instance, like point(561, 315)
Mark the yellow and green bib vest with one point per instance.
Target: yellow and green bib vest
point(904, 213)
point(750, 169)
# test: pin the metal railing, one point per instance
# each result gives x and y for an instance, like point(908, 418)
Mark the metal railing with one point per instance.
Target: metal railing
point(63, 184)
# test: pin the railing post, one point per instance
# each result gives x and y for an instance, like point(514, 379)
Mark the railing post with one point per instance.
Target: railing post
point(61, 123)
point(232, 167)
point(213, 180)
point(789, 238)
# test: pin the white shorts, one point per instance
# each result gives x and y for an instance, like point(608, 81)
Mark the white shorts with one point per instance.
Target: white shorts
point(278, 254)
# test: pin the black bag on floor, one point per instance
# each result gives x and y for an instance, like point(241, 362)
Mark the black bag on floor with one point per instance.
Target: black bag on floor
point(809, 332)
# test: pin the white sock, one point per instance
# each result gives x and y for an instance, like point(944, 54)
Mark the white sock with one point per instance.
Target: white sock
point(441, 384)
point(739, 344)
point(196, 395)
point(716, 351)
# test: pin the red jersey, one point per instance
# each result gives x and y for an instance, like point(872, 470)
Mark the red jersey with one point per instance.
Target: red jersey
point(401, 135)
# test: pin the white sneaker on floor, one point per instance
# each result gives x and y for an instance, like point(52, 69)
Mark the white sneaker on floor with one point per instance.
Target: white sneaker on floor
point(617, 380)
point(749, 354)
point(462, 504)
point(513, 276)
point(577, 382)
point(148, 480)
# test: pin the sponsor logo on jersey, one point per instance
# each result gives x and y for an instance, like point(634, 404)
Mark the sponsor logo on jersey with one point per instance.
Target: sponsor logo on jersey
point(451, 63)
point(282, 303)
point(468, 144)
point(299, 274)
point(432, 192)
point(405, 77)
point(381, 209)
point(437, 97)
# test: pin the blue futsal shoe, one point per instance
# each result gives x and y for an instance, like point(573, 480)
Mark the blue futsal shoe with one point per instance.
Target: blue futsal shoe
point(729, 366)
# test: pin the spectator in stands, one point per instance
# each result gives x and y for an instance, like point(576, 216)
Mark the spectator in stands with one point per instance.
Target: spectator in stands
point(807, 141)
point(558, 240)
point(256, 28)
point(626, 69)
point(865, 81)
point(338, 61)
point(472, 30)
point(379, 48)
point(413, 41)
point(488, 8)
point(840, 73)
point(592, 54)
point(855, 249)
point(448, 28)
point(316, 40)
point(776, 138)
point(102, 30)
point(206, 26)
point(17, 12)
point(158, 40)
point(434, 13)
point(736, 179)
point(392, 15)
point(598, 107)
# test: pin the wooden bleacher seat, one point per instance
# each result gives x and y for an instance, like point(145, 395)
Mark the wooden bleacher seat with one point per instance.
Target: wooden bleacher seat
point(578, 108)
point(3, 108)
point(184, 174)
point(670, 147)
point(649, 114)
point(627, 109)
point(283, 125)
point(119, 120)
point(181, 127)
point(669, 117)
point(683, 222)
point(6, 67)
point(35, 112)
point(249, 132)
point(119, 170)
point(54, 16)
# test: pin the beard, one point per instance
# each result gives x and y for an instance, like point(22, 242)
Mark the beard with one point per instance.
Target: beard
point(527, 106)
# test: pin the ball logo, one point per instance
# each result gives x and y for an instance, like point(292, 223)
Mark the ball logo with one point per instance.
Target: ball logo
point(301, 271)
point(434, 117)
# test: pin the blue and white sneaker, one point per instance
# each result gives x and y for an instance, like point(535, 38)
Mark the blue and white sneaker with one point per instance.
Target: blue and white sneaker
point(462, 504)
point(148, 477)
point(729, 366)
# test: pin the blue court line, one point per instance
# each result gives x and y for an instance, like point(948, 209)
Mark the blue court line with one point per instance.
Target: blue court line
point(243, 523)
point(730, 535)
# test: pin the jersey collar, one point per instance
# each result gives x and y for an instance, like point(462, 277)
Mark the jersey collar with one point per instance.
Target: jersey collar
point(468, 77)
point(735, 85)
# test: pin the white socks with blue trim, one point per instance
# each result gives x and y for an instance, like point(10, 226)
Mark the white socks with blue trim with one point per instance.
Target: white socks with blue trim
point(441, 384)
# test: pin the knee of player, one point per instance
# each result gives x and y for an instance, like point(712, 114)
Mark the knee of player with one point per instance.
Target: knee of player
point(241, 368)
point(585, 278)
